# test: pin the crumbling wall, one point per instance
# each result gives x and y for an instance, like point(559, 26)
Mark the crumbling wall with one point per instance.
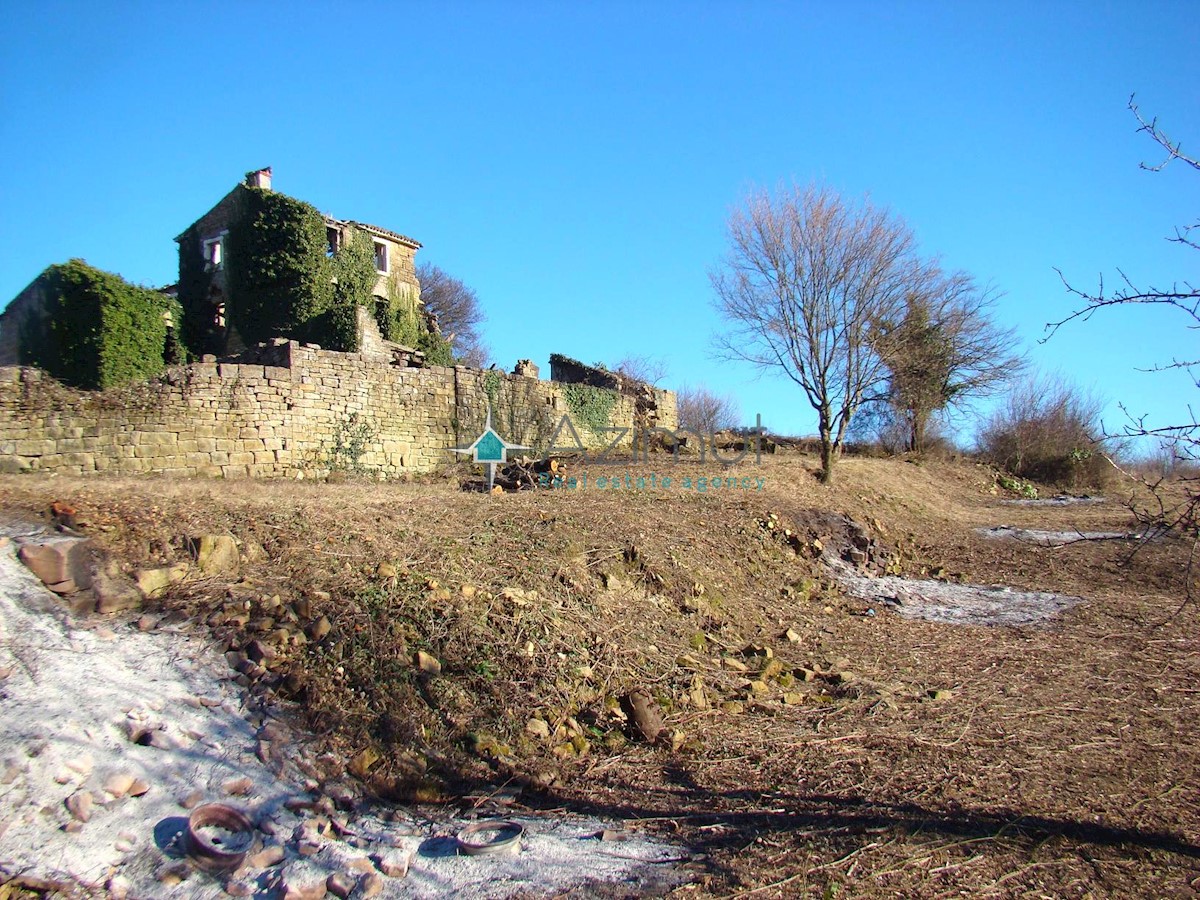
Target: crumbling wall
point(293, 410)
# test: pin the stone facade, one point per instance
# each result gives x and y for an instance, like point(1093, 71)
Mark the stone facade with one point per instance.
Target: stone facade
point(26, 311)
point(293, 410)
point(395, 254)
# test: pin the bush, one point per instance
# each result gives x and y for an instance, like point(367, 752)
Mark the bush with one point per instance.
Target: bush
point(705, 411)
point(100, 331)
point(1048, 430)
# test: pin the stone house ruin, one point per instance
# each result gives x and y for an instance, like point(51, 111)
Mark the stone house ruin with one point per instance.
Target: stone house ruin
point(284, 407)
point(396, 284)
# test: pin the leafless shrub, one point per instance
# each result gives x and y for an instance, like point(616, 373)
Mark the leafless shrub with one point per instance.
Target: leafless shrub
point(1048, 430)
point(642, 368)
point(705, 411)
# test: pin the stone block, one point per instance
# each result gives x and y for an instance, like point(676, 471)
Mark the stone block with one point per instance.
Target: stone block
point(58, 558)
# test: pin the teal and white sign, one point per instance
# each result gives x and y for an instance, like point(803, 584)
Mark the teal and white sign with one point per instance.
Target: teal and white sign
point(489, 448)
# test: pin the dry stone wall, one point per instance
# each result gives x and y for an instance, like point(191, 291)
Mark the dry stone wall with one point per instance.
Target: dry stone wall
point(297, 410)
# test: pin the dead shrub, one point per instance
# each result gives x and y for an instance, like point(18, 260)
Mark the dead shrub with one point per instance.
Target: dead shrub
point(1048, 430)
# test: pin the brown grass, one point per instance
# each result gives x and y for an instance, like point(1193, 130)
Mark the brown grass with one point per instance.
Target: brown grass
point(1061, 764)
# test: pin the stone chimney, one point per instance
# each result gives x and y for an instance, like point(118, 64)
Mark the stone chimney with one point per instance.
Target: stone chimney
point(260, 179)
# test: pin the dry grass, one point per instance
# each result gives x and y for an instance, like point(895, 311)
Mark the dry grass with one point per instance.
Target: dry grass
point(1060, 764)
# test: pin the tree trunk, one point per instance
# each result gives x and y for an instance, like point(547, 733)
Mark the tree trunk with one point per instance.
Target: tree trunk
point(827, 453)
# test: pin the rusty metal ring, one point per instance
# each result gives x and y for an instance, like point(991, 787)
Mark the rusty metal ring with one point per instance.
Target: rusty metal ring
point(224, 853)
point(506, 838)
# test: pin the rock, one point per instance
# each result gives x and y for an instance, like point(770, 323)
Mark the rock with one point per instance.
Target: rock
point(303, 880)
point(217, 554)
point(81, 764)
point(793, 698)
point(393, 864)
point(858, 557)
point(118, 785)
point(939, 695)
point(58, 559)
point(115, 593)
point(370, 885)
point(192, 800)
point(427, 663)
point(385, 570)
point(735, 665)
point(644, 713)
point(362, 762)
point(139, 787)
point(260, 652)
point(239, 888)
point(253, 552)
point(318, 629)
point(65, 587)
point(237, 787)
point(340, 884)
point(118, 887)
point(266, 857)
point(80, 805)
point(172, 873)
point(154, 582)
point(733, 707)
point(792, 636)
point(758, 688)
point(538, 728)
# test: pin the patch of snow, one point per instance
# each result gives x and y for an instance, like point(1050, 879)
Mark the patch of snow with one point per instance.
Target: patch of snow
point(951, 604)
point(1055, 538)
point(77, 690)
point(1060, 500)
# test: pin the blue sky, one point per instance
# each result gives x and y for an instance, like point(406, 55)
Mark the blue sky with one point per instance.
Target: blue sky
point(575, 163)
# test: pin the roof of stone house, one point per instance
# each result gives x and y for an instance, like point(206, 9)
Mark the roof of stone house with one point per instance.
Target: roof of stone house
point(383, 232)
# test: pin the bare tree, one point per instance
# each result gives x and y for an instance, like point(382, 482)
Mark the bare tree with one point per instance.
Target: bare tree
point(650, 370)
point(1170, 508)
point(808, 280)
point(1184, 297)
point(705, 411)
point(946, 350)
point(455, 308)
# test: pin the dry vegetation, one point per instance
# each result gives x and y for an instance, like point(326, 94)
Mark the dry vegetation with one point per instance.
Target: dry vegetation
point(871, 755)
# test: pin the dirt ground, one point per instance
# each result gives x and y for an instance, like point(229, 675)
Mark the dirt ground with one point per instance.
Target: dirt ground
point(814, 744)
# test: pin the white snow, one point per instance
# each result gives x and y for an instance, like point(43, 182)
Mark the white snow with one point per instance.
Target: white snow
point(1055, 538)
point(76, 689)
point(951, 604)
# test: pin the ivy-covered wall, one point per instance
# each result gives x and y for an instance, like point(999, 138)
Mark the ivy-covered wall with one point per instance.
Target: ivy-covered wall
point(299, 410)
point(277, 279)
point(400, 319)
point(94, 330)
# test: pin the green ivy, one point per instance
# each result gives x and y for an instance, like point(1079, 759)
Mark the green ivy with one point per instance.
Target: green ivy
point(280, 280)
point(353, 270)
point(99, 330)
point(352, 436)
point(437, 349)
point(491, 387)
point(590, 406)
